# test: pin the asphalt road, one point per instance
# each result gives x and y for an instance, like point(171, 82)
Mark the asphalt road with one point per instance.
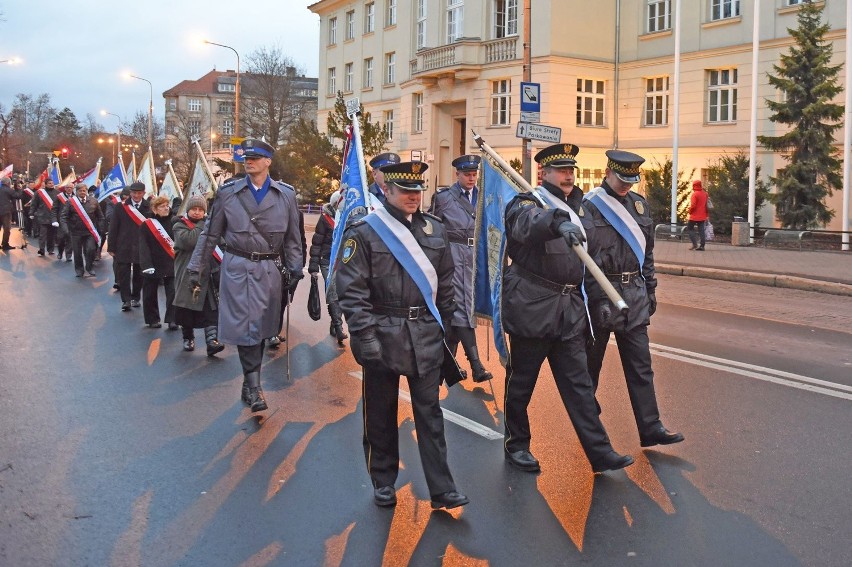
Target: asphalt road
point(118, 448)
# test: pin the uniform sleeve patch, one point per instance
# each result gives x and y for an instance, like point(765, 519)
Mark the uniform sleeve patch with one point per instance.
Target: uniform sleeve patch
point(349, 250)
point(526, 203)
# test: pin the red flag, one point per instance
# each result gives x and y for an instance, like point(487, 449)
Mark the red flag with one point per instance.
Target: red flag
point(41, 179)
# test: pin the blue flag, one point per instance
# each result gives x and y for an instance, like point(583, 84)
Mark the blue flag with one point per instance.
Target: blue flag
point(354, 200)
point(54, 173)
point(490, 251)
point(114, 182)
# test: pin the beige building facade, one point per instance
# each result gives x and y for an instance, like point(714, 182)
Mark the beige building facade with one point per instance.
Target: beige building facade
point(434, 70)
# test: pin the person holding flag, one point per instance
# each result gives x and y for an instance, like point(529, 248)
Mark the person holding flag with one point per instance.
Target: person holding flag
point(395, 284)
point(625, 232)
point(41, 213)
point(544, 311)
point(81, 219)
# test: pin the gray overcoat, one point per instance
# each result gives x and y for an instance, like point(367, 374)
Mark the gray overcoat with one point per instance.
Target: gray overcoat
point(250, 292)
point(458, 216)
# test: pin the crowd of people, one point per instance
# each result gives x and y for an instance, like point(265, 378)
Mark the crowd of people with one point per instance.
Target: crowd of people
point(403, 282)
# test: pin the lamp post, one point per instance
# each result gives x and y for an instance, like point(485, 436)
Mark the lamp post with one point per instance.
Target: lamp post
point(236, 91)
point(111, 141)
point(104, 113)
point(150, 106)
point(12, 61)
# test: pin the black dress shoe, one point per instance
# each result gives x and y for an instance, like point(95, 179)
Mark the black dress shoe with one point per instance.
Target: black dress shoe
point(523, 460)
point(256, 400)
point(660, 436)
point(384, 496)
point(41, 252)
point(173, 326)
point(125, 306)
point(156, 325)
point(135, 303)
point(79, 274)
point(612, 461)
point(244, 395)
point(188, 344)
point(451, 499)
point(482, 375)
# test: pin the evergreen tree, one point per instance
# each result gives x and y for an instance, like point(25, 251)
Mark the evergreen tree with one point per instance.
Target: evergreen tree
point(658, 191)
point(809, 84)
point(374, 136)
point(727, 186)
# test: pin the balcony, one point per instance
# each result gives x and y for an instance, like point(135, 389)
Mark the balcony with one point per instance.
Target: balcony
point(463, 59)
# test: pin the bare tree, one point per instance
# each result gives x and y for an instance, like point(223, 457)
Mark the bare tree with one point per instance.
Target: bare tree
point(182, 129)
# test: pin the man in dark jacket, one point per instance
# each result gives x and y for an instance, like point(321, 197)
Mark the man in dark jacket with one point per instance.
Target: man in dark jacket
point(7, 205)
point(320, 259)
point(397, 329)
point(81, 219)
point(123, 244)
point(544, 311)
point(63, 239)
point(41, 213)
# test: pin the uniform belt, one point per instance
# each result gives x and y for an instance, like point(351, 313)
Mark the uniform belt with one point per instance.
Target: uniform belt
point(564, 289)
point(410, 313)
point(623, 277)
point(460, 240)
point(253, 256)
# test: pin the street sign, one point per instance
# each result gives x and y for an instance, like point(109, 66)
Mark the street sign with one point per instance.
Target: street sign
point(353, 105)
point(530, 116)
point(530, 97)
point(236, 146)
point(541, 132)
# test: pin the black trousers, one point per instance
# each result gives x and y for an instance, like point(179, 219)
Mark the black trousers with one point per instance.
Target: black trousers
point(63, 243)
point(380, 393)
point(635, 353)
point(697, 239)
point(47, 237)
point(6, 225)
point(251, 357)
point(151, 302)
point(567, 361)
point(125, 275)
point(83, 246)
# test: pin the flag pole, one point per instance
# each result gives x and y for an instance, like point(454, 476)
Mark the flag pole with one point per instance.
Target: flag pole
point(593, 268)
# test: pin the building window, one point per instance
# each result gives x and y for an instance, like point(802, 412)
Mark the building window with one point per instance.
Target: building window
point(172, 104)
point(591, 101)
point(794, 2)
point(657, 101)
point(417, 123)
point(226, 107)
point(348, 77)
point(193, 105)
point(227, 127)
point(368, 73)
point(350, 24)
point(455, 19)
point(722, 95)
point(659, 15)
point(721, 9)
point(390, 13)
point(332, 31)
point(501, 102)
point(505, 18)
point(390, 68)
point(332, 81)
point(194, 127)
point(370, 17)
point(389, 124)
point(227, 87)
point(421, 24)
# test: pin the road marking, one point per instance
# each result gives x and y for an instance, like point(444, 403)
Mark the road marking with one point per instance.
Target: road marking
point(453, 417)
point(779, 377)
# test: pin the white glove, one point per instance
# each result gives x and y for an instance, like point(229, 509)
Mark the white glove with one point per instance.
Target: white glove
point(54, 224)
point(149, 271)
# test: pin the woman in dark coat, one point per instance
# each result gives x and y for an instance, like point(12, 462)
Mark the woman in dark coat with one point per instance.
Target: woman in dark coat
point(157, 260)
point(201, 311)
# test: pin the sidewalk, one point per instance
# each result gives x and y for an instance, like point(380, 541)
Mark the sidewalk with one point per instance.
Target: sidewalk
point(827, 272)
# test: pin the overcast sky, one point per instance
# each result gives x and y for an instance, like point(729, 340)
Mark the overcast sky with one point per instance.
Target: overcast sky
point(76, 50)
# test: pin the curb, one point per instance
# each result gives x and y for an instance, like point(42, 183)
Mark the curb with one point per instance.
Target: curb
point(771, 280)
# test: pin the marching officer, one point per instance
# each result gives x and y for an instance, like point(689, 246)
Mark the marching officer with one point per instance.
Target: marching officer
point(456, 207)
point(544, 311)
point(396, 328)
point(255, 221)
point(41, 213)
point(625, 236)
point(377, 187)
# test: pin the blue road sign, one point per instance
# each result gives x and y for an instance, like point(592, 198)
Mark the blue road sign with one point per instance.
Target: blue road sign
point(530, 97)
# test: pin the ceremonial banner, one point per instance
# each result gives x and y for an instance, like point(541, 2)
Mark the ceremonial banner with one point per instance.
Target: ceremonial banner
point(7, 171)
point(90, 178)
point(112, 184)
point(53, 168)
point(202, 180)
point(170, 187)
point(39, 181)
point(147, 175)
point(353, 190)
point(69, 179)
point(130, 172)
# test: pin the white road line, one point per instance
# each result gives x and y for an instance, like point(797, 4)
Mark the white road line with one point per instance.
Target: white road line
point(779, 377)
point(453, 417)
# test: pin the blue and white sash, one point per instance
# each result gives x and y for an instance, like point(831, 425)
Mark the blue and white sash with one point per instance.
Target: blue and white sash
point(555, 203)
point(621, 220)
point(408, 253)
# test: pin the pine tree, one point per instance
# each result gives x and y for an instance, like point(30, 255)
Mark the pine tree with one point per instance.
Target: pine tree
point(727, 187)
point(809, 84)
point(374, 136)
point(658, 191)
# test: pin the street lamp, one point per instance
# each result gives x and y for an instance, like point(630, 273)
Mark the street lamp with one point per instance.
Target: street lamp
point(104, 113)
point(12, 61)
point(111, 142)
point(236, 90)
point(150, 106)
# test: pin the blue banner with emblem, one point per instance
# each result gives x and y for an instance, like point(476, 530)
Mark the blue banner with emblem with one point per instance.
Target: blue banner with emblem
point(113, 183)
point(490, 251)
point(354, 200)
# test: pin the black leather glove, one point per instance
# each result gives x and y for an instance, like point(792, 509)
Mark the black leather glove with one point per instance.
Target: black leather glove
point(652, 303)
point(572, 233)
point(293, 281)
point(313, 267)
point(608, 320)
point(366, 346)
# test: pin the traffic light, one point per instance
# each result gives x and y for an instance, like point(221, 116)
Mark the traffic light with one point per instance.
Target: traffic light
point(64, 153)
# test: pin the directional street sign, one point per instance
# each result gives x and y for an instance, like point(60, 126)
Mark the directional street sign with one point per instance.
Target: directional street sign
point(541, 132)
point(530, 116)
point(353, 105)
point(530, 97)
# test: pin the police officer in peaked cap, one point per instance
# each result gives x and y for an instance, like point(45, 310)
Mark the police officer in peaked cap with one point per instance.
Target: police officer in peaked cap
point(377, 187)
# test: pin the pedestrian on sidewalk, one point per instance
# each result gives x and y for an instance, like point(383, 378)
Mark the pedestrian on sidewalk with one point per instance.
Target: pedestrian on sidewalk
point(697, 216)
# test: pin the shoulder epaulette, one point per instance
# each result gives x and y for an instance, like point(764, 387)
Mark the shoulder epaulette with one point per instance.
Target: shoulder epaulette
point(442, 189)
point(433, 217)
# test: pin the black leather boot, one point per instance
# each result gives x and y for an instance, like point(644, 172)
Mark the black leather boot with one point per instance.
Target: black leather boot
point(255, 394)
point(336, 315)
point(211, 336)
point(468, 340)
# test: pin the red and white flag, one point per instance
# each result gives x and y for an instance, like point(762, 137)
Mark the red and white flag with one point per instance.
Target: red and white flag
point(48, 202)
point(7, 171)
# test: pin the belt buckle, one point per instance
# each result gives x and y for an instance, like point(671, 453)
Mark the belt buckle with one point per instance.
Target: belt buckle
point(254, 256)
point(413, 313)
point(567, 289)
point(470, 241)
point(625, 277)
